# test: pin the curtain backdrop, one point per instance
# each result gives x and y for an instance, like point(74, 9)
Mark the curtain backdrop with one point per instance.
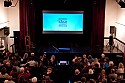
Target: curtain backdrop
point(98, 25)
point(97, 10)
point(27, 21)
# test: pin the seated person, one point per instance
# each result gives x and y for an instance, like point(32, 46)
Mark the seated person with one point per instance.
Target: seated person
point(50, 73)
point(9, 80)
point(47, 80)
point(34, 80)
point(77, 76)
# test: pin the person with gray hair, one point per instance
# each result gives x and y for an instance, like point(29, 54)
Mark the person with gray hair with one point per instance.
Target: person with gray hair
point(90, 74)
point(90, 71)
point(34, 80)
point(120, 71)
point(108, 70)
point(25, 73)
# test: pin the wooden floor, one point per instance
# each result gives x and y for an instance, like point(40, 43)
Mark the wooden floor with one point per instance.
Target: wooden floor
point(107, 49)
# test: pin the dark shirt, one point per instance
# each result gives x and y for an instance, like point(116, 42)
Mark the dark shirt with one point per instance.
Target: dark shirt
point(76, 78)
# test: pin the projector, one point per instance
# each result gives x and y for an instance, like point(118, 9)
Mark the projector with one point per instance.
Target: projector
point(122, 3)
point(7, 3)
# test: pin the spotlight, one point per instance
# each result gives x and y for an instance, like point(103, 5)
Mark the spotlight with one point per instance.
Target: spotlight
point(7, 3)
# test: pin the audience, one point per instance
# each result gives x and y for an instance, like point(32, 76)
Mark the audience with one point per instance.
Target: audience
point(15, 68)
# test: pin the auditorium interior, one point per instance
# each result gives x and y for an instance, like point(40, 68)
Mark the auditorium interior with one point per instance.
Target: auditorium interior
point(62, 41)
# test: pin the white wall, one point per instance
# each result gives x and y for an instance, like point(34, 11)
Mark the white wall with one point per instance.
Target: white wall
point(115, 16)
point(3, 15)
point(111, 13)
point(11, 16)
point(120, 34)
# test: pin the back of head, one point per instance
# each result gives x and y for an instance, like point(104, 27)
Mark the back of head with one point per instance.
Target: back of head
point(47, 78)
point(34, 80)
point(96, 65)
point(83, 79)
point(90, 71)
point(22, 69)
point(3, 70)
point(90, 57)
point(102, 55)
point(111, 63)
point(113, 71)
point(92, 81)
point(21, 79)
point(32, 54)
point(77, 72)
point(120, 65)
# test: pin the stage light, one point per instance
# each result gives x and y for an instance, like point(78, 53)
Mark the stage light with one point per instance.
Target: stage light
point(7, 3)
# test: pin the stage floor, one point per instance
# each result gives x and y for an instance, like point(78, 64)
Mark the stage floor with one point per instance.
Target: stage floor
point(114, 50)
point(78, 50)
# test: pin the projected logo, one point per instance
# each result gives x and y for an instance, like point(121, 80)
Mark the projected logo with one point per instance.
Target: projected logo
point(62, 22)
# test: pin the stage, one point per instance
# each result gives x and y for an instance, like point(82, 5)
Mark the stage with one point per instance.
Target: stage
point(79, 50)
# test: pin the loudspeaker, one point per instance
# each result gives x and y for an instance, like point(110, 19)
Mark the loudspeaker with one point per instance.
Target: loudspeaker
point(17, 40)
point(7, 3)
point(6, 31)
point(113, 30)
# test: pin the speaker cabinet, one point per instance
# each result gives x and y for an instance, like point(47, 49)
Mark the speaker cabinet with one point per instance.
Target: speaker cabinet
point(17, 40)
point(113, 30)
point(6, 31)
point(7, 3)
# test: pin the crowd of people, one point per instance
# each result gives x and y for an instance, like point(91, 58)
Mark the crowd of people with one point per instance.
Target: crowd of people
point(30, 68)
point(94, 70)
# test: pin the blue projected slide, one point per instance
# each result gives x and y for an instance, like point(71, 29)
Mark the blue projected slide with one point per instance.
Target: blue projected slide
point(63, 22)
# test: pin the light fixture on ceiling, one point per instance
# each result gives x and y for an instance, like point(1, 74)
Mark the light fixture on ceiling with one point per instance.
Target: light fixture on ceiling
point(7, 3)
